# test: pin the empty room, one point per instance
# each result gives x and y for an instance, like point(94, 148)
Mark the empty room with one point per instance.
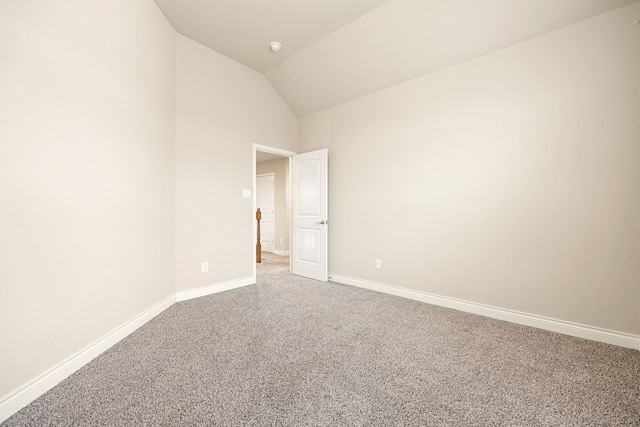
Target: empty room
point(320, 212)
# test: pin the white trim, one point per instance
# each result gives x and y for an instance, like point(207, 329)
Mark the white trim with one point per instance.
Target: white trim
point(568, 328)
point(29, 392)
point(274, 150)
point(26, 394)
point(281, 253)
point(213, 289)
point(254, 226)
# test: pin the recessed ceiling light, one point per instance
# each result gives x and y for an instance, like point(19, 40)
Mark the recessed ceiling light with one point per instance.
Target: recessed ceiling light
point(275, 46)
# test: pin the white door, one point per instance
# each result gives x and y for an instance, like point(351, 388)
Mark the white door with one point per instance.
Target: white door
point(265, 202)
point(310, 215)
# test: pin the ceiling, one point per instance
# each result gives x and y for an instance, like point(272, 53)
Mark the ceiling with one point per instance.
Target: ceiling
point(262, 156)
point(334, 51)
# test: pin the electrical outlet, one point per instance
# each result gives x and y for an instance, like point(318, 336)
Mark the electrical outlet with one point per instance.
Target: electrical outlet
point(377, 264)
point(205, 267)
point(281, 240)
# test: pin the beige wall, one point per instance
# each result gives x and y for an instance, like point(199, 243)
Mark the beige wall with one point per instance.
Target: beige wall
point(512, 180)
point(222, 109)
point(87, 105)
point(280, 169)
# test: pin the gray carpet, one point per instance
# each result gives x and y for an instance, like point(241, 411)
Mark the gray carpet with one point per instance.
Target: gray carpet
point(292, 352)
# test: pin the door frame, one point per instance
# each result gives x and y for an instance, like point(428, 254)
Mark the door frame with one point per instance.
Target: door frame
point(279, 152)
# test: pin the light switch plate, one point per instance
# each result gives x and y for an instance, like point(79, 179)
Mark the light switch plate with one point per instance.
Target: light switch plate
point(246, 194)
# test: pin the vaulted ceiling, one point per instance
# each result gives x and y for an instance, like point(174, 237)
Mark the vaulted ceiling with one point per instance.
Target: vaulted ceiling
point(334, 51)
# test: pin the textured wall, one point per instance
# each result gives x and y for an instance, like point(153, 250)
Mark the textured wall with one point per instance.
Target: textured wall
point(511, 180)
point(87, 101)
point(222, 109)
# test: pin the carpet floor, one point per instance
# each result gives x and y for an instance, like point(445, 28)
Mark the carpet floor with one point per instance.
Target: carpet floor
point(290, 351)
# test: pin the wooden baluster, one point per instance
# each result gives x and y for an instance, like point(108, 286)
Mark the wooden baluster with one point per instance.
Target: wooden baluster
point(258, 245)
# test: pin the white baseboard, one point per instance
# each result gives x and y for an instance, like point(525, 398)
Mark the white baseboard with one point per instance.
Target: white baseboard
point(215, 288)
point(26, 394)
point(281, 253)
point(620, 339)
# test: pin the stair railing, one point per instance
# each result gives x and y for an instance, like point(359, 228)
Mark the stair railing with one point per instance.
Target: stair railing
point(258, 245)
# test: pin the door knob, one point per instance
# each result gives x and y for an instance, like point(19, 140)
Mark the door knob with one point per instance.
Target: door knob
point(323, 222)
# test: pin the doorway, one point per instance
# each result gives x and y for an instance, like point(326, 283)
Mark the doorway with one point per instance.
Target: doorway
point(305, 238)
point(272, 194)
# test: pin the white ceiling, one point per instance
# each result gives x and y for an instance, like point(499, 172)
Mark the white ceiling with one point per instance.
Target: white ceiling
point(334, 51)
